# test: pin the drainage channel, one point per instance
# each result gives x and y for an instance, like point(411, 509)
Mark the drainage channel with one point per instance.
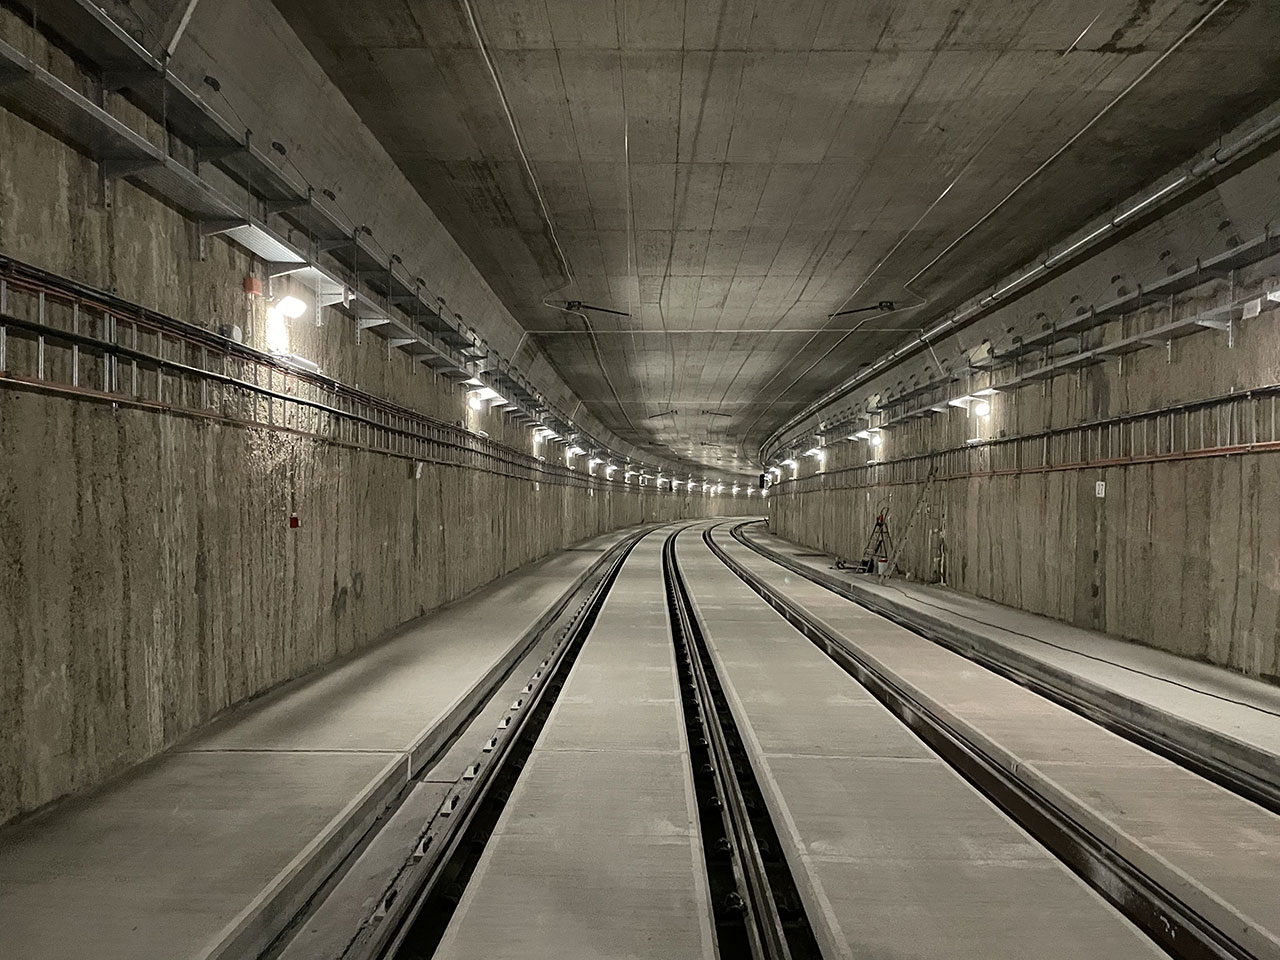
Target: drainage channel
point(1176, 927)
point(756, 906)
point(471, 814)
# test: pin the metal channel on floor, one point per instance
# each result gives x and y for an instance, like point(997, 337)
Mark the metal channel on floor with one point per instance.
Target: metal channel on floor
point(469, 775)
point(1246, 771)
point(756, 902)
point(587, 841)
point(623, 819)
point(1181, 859)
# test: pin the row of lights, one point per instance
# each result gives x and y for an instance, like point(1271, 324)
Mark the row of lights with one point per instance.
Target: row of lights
point(480, 397)
point(975, 403)
point(542, 434)
point(1048, 263)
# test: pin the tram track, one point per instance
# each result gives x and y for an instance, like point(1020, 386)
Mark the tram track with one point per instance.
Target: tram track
point(756, 908)
point(754, 898)
point(1175, 926)
point(1230, 763)
point(756, 904)
point(415, 910)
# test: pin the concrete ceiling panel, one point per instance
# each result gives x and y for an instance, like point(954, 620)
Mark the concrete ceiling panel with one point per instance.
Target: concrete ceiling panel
point(515, 24)
point(653, 195)
point(653, 24)
point(651, 81)
point(578, 26)
point(696, 191)
point(709, 88)
point(734, 171)
point(724, 250)
point(718, 24)
point(740, 188)
point(593, 88)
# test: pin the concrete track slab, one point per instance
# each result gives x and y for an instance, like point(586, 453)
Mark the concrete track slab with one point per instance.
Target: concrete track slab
point(1218, 700)
point(894, 853)
point(830, 729)
point(1215, 850)
point(1231, 851)
point(966, 909)
point(589, 900)
point(143, 868)
point(207, 850)
point(598, 852)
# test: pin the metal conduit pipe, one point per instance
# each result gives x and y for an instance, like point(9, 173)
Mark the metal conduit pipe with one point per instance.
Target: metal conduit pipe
point(1047, 263)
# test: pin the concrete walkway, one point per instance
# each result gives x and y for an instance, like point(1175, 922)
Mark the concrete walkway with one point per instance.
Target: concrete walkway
point(209, 849)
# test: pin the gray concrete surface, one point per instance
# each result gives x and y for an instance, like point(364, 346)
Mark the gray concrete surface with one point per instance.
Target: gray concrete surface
point(1180, 553)
point(207, 850)
point(598, 853)
point(731, 173)
point(344, 914)
point(894, 854)
point(1210, 847)
point(148, 573)
point(1228, 716)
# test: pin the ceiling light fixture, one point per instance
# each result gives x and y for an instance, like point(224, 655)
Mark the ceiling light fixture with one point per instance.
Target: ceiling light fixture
point(292, 307)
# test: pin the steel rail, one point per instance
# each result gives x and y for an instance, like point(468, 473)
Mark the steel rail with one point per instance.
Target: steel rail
point(515, 459)
point(1059, 688)
point(1175, 926)
point(351, 409)
point(772, 918)
point(760, 922)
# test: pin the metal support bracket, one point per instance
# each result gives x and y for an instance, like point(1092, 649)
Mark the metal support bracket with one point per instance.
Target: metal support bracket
point(1229, 325)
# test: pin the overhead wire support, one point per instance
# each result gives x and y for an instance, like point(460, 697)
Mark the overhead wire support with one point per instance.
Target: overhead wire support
point(576, 306)
point(884, 306)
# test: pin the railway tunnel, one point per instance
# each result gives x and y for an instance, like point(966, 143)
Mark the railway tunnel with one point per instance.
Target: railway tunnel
point(639, 479)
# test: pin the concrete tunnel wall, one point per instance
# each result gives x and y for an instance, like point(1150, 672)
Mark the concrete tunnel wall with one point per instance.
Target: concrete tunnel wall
point(1181, 553)
point(149, 578)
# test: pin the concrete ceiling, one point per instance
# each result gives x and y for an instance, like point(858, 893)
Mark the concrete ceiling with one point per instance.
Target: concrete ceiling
point(732, 172)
